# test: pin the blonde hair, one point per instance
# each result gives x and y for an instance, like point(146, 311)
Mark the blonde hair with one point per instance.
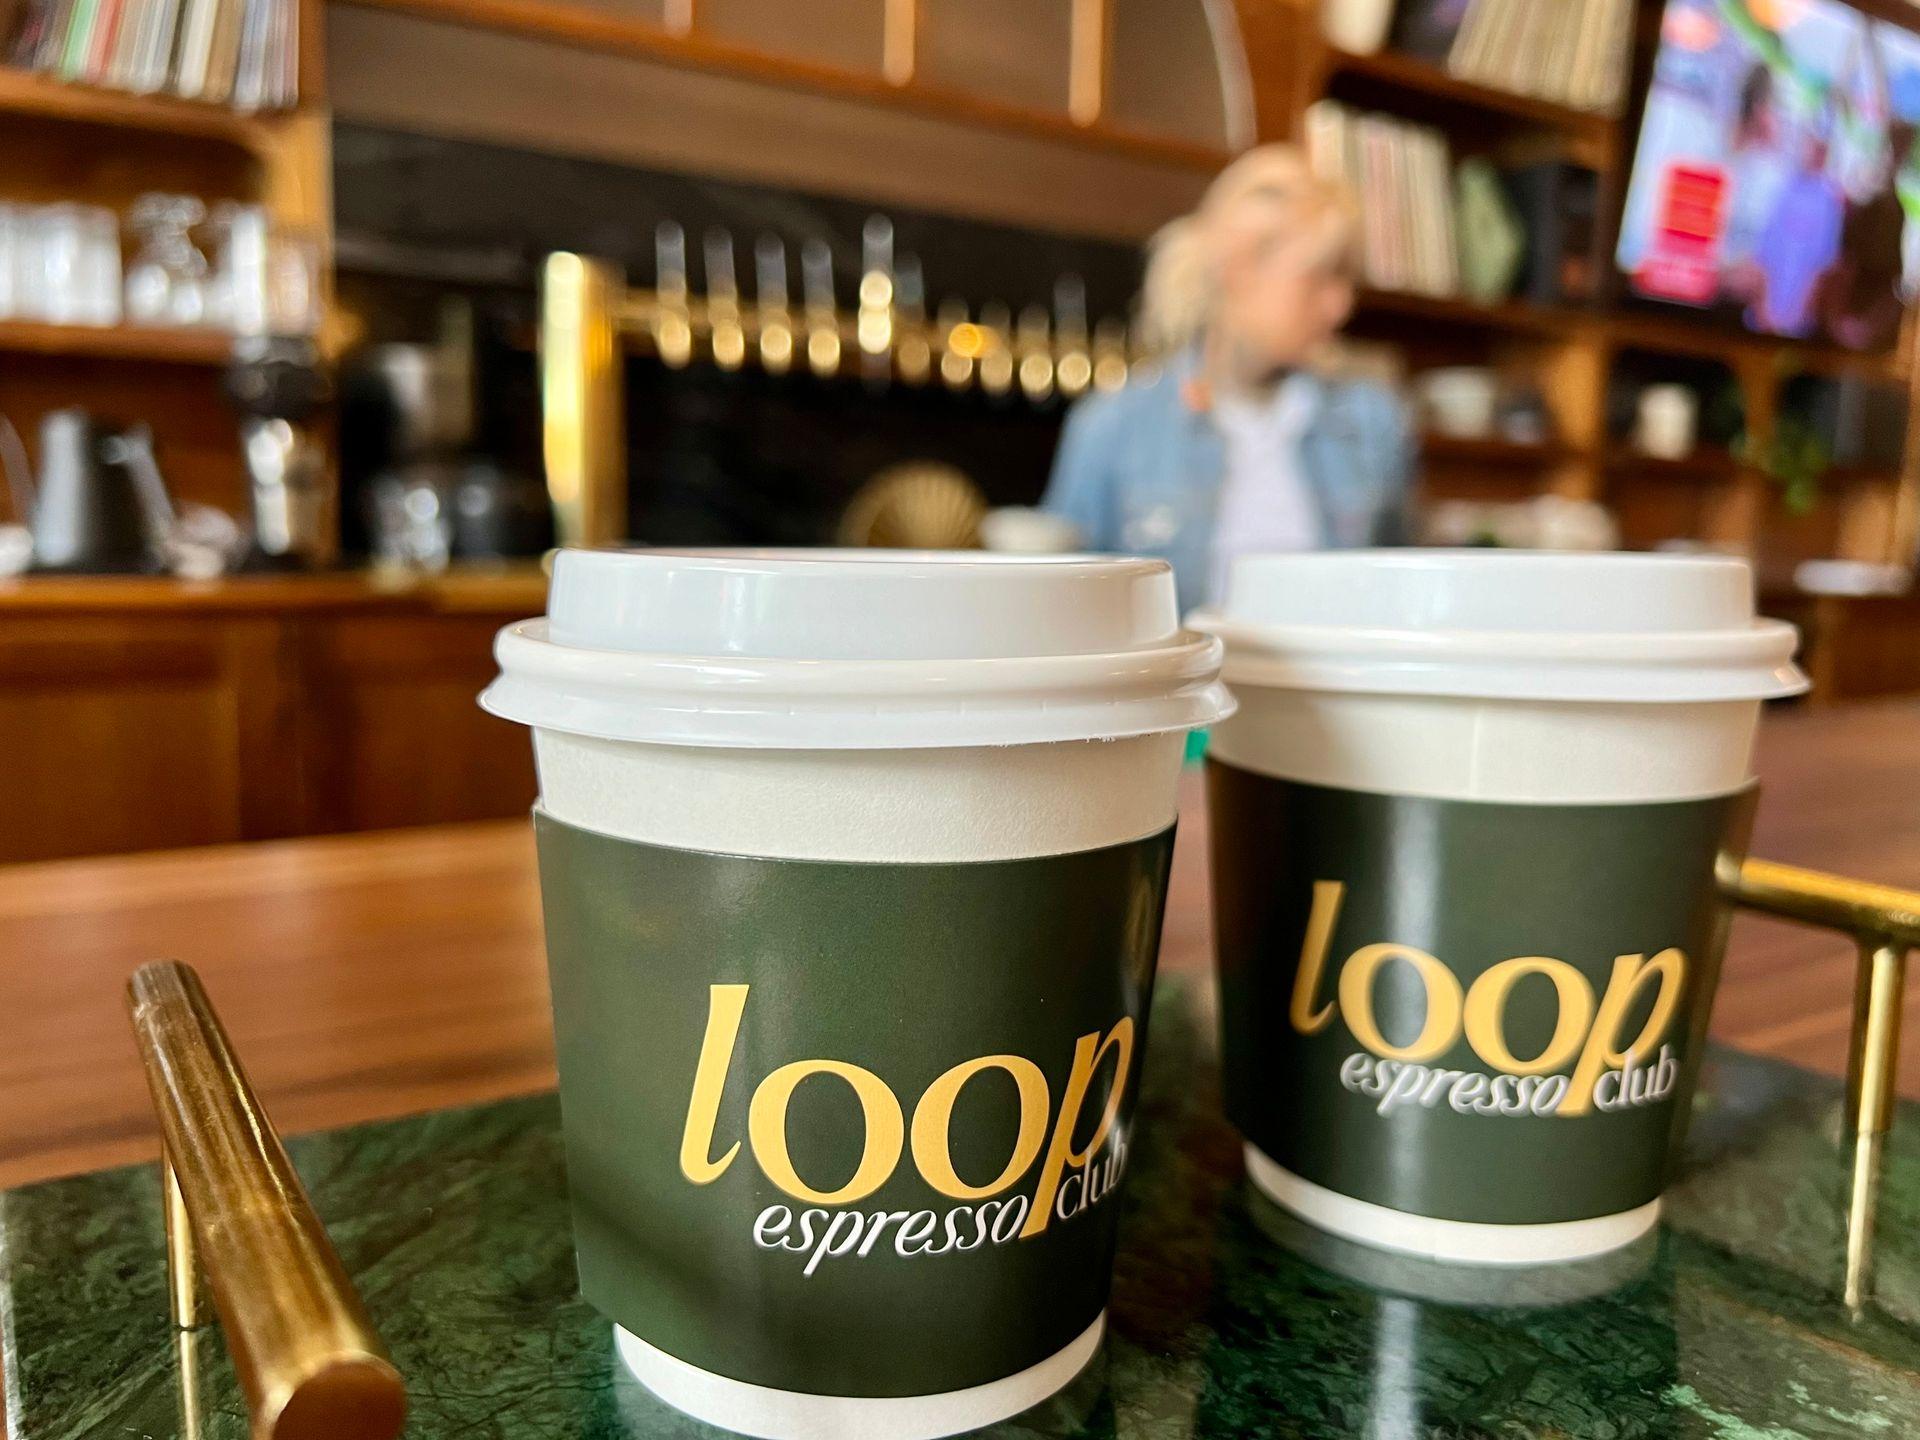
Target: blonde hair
point(1181, 287)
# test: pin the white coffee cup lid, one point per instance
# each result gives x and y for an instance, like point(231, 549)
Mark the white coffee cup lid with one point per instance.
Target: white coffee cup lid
point(1504, 624)
point(856, 649)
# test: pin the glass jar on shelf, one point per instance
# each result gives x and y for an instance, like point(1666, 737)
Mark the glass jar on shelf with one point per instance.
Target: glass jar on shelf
point(266, 277)
point(168, 282)
point(100, 279)
point(12, 218)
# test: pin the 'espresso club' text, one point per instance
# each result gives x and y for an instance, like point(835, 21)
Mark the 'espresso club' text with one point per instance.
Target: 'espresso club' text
point(1589, 1063)
point(828, 1224)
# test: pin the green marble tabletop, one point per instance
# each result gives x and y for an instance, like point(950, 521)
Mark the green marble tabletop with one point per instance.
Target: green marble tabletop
point(1228, 1321)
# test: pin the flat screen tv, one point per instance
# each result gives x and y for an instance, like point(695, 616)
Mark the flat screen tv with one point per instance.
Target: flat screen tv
point(1776, 180)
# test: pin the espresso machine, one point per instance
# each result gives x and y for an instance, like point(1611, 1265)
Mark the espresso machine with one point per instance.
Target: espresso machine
point(278, 385)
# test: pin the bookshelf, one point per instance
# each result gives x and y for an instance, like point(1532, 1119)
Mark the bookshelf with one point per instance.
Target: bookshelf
point(1405, 76)
point(1571, 350)
point(95, 145)
point(25, 94)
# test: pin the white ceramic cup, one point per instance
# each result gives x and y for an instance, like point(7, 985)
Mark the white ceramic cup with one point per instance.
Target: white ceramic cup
point(1462, 400)
point(1504, 678)
point(1668, 419)
point(872, 706)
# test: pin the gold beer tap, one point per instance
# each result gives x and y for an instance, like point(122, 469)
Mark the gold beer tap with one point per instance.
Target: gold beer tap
point(773, 317)
point(1033, 352)
point(672, 310)
point(822, 318)
point(1110, 365)
point(873, 326)
point(726, 334)
point(996, 359)
point(913, 353)
point(1073, 369)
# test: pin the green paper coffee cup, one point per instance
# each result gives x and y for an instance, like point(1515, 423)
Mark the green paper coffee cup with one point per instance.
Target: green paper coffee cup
point(1464, 832)
point(853, 867)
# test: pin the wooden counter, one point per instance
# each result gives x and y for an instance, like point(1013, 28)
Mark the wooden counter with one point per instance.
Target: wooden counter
point(140, 713)
point(376, 975)
point(519, 588)
point(1854, 647)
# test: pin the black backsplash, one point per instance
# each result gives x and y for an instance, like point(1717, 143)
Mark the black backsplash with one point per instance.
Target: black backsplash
point(715, 458)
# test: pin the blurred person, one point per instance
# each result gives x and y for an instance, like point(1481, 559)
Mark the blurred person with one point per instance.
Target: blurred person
point(1800, 244)
point(1236, 444)
point(1758, 169)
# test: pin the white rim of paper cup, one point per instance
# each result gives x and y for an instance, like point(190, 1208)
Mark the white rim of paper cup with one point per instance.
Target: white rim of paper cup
point(770, 1414)
point(839, 650)
point(1731, 657)
point(854, 704)
point(1459, 1242)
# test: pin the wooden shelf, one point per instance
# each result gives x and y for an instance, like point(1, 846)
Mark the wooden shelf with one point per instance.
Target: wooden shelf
point(1632, 329)
point(1456, 310)
point(1705, 339)
point(24, 93)
point(117, 342)
point(1709, 462)
point(1860, 475)
point(467, 588)
point(1490, 450)
point(1387, 68)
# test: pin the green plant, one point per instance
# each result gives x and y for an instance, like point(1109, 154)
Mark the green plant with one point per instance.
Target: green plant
point(1795, 458)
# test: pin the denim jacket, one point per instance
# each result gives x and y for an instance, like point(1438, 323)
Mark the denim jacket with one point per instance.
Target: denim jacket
point(1139, 471)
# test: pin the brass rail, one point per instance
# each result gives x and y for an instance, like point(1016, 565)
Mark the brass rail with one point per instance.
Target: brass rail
point(306, 1354)
point(1885, 923)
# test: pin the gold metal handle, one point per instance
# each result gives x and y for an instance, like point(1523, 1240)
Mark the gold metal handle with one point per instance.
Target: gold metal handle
point(1885, 923)
point(305, 1352)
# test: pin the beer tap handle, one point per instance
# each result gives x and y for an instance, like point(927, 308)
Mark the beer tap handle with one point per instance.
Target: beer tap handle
point(672, 315)
point(1033, 353)
point(1110, 366)
point(874, 324)
point(996, 360)
point(823, 320)
point(1070, 305)
point(913, 349)
point(1073, 363)
point(728, 336)
point(670, 260)
point(770, 300)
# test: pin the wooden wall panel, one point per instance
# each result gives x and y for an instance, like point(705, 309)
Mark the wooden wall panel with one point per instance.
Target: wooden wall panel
point(398, 738)
point(1165, 78)
point(118, 735)
point(127, 731)
point(1013, 50)
point(652, 12)
point(438, 79)
point(828, 32)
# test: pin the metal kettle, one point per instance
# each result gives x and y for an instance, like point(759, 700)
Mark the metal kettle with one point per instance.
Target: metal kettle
point(100, 506)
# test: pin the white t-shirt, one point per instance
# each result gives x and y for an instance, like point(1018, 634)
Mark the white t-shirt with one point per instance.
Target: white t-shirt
point(1265, 502)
